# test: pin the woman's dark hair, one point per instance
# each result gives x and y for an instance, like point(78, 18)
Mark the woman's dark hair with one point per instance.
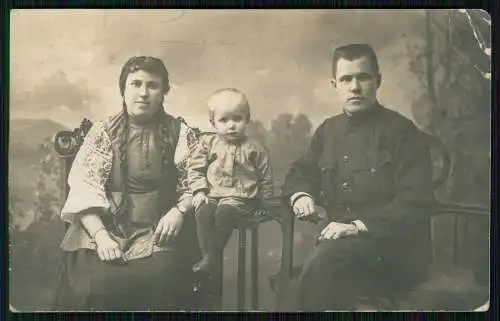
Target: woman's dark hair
point(352, 52)
point(156, 67)
point(152, 65)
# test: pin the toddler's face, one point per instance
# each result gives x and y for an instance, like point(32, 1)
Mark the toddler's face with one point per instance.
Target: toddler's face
point(230, 122)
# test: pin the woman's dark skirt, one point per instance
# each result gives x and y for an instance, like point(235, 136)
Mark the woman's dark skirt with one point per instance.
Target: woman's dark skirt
point(161, 282)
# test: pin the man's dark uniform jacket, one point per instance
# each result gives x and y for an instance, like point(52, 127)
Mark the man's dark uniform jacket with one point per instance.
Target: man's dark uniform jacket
point(372, 166)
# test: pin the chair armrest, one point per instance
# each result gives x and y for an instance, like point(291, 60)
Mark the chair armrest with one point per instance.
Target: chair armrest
point(276, 203)
point(276, 210)
point(458, 212)
point(460, 209)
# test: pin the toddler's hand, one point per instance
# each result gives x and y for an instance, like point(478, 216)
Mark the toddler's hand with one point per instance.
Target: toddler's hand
point(199, 199)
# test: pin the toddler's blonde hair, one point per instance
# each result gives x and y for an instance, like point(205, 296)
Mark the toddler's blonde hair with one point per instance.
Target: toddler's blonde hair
point(224, 93)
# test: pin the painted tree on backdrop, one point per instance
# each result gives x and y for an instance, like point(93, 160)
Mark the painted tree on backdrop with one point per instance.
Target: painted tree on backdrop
point(257, 130)
point(46, 200)
point(288, 139)
point(34, 236)
point(453, 64)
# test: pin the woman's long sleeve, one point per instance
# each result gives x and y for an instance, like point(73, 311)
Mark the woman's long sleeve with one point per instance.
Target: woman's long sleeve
point(88, 175)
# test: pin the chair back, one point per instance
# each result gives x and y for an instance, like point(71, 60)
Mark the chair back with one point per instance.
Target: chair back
point(459, 216)
point(66, 145)
point(440, 158)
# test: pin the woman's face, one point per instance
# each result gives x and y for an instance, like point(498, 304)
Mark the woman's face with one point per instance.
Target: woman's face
point(143, 94)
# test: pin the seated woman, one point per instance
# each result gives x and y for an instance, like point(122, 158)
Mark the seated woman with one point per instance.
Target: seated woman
point(131, 240)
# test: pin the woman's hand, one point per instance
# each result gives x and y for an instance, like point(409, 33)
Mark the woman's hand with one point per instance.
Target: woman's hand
point(107, 248)
point(168, 226)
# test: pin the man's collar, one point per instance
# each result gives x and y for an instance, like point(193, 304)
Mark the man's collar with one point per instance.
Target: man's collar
point(362, 112)
point(362, 115)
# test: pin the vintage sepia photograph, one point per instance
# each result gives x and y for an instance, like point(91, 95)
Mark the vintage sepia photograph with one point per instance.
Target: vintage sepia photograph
point(249, 160)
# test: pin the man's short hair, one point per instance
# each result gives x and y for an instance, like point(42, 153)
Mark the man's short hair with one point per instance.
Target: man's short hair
point(352, 52)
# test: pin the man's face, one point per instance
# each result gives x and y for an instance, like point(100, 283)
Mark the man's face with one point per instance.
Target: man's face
point(356, 84)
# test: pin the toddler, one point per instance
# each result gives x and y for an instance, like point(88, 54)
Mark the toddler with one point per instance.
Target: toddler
point(229, 174)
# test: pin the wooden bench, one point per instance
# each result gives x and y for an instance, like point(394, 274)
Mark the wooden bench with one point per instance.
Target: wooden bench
point(456, 282)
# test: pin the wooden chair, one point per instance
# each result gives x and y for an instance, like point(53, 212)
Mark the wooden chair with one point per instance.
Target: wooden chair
point(437, 283)
point(67, 144)
point(252, 225)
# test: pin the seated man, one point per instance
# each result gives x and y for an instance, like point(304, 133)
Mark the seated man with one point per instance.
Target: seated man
point(372, 173)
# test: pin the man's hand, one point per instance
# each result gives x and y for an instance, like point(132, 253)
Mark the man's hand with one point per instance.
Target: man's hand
point(304, 206)
point(336, 230)
point(199, 199)
point(168, 226)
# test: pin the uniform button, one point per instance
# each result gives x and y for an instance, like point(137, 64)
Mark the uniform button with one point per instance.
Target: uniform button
point(373, 170)
point(348, 208)
point(345, 185)
point(346, 158)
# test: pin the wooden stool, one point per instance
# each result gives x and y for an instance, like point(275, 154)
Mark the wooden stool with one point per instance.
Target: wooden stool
point(253, 227)
point(245, 225)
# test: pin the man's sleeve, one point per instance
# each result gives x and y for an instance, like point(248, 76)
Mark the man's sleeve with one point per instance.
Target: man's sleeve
point(413, 183)
point(304, 175)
